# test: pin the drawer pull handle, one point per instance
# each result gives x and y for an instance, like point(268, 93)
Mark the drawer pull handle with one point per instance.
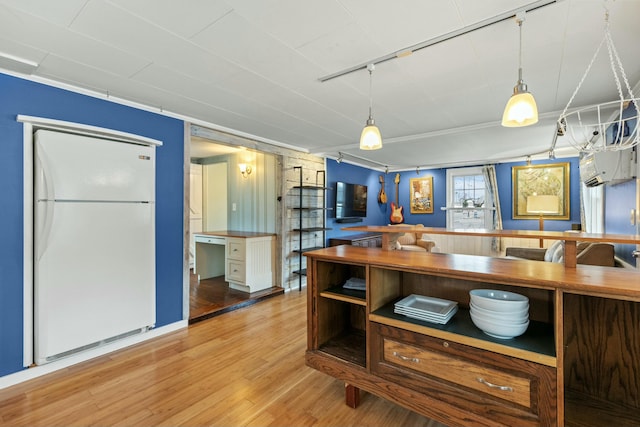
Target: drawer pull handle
point(405, 358)
point(490, 385)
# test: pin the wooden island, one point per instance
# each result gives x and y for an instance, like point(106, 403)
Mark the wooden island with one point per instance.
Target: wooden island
point(577, 364)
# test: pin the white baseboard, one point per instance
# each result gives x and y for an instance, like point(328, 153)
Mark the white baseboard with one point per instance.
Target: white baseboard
point(37, 371)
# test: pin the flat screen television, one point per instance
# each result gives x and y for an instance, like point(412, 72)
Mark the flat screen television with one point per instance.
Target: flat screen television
point(351, 201)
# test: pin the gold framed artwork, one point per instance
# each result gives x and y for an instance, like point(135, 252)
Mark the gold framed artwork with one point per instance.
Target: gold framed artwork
point(541, 190)
point(421, 196)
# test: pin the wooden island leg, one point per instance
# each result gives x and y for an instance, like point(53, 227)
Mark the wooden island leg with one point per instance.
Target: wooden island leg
point(352, 395)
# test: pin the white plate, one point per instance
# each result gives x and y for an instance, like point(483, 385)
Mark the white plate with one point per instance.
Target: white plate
point(420, 315)
point(426, 304)
point(427, 317)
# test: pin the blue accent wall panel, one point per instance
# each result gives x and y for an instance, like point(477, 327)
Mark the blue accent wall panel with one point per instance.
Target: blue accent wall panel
point(23, 97)
point(355, 175)
point(619, 200)
point(378, 214)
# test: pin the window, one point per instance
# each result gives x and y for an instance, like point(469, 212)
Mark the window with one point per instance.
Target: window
point(466, 199)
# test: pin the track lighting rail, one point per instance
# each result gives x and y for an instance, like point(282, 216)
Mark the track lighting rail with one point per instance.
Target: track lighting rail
point(448, 36)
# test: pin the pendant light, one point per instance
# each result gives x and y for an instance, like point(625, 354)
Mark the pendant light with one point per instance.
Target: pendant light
point(370, 139)
point(521, 109)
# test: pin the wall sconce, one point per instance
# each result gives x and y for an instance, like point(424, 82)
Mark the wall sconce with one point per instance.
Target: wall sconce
point(245, 170)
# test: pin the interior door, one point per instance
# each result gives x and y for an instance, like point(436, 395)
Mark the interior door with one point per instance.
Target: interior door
point(215, 198)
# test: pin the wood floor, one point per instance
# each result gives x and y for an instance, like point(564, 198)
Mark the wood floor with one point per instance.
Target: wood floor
point(243, 368)
point(212, 297)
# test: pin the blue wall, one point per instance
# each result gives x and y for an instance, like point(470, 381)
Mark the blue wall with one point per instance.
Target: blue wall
point(24, 97)
point(355, 175)
point(378, 214)
point(619, 200)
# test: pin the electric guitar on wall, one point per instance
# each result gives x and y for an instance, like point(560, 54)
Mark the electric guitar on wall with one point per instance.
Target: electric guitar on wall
point(382, 196)
point(396, 210)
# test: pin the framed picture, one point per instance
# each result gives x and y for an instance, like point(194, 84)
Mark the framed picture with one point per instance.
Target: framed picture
point(541, 190)
point(421, 195)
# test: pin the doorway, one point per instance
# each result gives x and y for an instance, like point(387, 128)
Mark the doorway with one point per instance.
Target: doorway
point(229, 200)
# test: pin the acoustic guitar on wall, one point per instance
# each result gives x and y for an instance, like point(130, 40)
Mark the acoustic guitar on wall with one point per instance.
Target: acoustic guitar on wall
point(396, 216)
point(382, 196)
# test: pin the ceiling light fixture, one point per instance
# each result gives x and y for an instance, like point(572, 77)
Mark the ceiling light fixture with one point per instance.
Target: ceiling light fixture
point(340, 158)
point(521, 109)
point(370, 139)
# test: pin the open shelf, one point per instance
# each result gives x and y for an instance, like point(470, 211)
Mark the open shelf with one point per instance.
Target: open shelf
point(352, 296)
point(350, 345)
point(585, 411)
point(311, 209)
point(536, 344)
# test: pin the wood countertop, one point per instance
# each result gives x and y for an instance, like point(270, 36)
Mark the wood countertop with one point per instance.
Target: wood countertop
point(608, 282)
point(569, 236)
point(233, 233)
point(391, 232)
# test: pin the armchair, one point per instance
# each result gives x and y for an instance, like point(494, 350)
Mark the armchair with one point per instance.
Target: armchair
point(412, 241)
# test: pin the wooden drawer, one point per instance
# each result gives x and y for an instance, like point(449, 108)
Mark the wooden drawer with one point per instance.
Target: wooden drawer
point(508, 390)
point(497, 383)
point(236, 249)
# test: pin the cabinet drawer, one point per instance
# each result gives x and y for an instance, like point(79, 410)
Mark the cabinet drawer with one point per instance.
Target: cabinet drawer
point(471, 375)
point(236, 271)
point(210, 240)
point(236, 249)
point(505, 389)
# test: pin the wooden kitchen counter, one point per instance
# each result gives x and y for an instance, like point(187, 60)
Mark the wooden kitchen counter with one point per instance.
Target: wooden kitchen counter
point(576, 364)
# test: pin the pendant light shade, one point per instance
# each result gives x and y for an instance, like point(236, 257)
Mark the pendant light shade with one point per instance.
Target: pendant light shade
point(521, 109)
point(370, 138)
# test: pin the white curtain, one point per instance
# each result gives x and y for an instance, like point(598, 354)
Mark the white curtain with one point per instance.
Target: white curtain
point(592, 208)
point(489, 173)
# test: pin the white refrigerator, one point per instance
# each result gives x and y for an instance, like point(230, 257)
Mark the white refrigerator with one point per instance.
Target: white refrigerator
point(94, 247)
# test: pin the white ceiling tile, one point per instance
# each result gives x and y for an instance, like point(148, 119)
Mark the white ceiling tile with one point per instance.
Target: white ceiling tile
point(60, 41)
point(343, 48)
point(293, 22)
point(181, 18)
point(57, 12)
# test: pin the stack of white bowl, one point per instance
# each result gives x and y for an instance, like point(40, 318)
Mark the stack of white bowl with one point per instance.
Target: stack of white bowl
point(500, 314)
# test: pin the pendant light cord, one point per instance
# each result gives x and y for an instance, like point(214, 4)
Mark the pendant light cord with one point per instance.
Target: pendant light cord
point(520, 54)
point(370, 67)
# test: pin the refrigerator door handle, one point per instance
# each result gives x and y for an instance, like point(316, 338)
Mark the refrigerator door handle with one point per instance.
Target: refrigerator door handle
point(45, 211)
point(44, 183)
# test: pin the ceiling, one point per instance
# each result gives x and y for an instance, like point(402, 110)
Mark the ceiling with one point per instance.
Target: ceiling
point(254, 67)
